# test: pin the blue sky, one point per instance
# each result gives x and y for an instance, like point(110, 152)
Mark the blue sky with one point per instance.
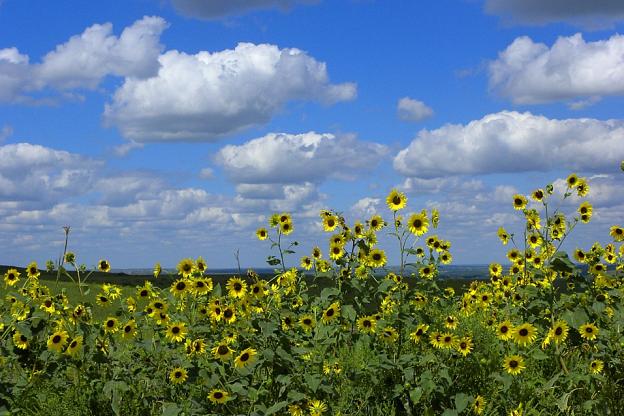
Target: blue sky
point(167, 129)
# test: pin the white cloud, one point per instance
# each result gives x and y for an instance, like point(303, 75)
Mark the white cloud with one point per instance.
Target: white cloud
point(452, 184)
point(513, 142)
point(206, 173)
point(84, 60)
point(125, 148)
point(208, 95)
point(215, 9)
point(528, 72)
point(366, 207)
point(295, 158)
point(587, 13)
point(409, 109)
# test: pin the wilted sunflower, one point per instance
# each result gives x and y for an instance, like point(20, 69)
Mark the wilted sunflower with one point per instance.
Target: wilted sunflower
point(57, 341)
point(331, 313)
point(589, 331)
point(11, 277)
point(176, 332)
point(74, 347)
point(218, 396)
point(178, 375)
point(396, 200)
point(262, 234)
point(185, 267)
point(524, 334)
point(513, 364)
point(104, 266)
point(245, 358)
point(519, 202)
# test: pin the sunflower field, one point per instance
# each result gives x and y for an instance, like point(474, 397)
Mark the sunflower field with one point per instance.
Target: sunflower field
point(339, 335)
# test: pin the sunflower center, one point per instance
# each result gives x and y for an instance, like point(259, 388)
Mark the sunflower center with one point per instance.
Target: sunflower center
point(518, 201)
point(417, 223)
point(178, 374)
point(558, 331)
point(589, 330)
point(307, 321)
point(110, 324)
point(238, 287)
point(523, 332)
point(181, 286)
point(228, 313)
point(217, 395)
point(463, 345)
point(244, 357)
point(376, 256)
point(23, 338)
point(330, 312)
point(447, 339)
point(256, 289)
point(158, 305)
point(367, 323)
point(504, 329)
point(223, 350)
point(127, 329)
point(513, 364)
point(374, 223)
point(396, 200)
point(73, 344)
point(56, 339)
point(175, 330)
point(48, 303)
point(143, 293)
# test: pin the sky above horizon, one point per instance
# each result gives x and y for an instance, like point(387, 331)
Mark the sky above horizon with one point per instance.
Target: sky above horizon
point(165, 129)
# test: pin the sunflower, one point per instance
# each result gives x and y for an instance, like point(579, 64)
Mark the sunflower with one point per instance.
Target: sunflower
point(262, 234)
point(32, 271)
point(330, 222)
point(377, 258)
point(617, 233)
point(176, 332)
point(478, 406)
point(317, 254)
point(316, 407)
point(336, 251)
point(245, 358)
point(70, 257)
point(258, 289)
point(331, 313)
point(179, 287)
point(20, 340)
point(537, 195)
point(513, 364)
point(524, 334)
point(57, 341)
point(448, 340)
point(396, 200)
point(11, 277)
point(389, 335)
point(185, 267)
point(450, 322)
point(580, 256)
point(596, 366)
point(110, 325)
point(366, 324)
point(178, 375)
point(495, 269)
point(198, 346)
point(446, 257)
point(418, 224)
point(582, 188)
point(218, 396)
point(519, 202)
point(286, 227)
point(222, 351)
point(376, 222)
point(129, 330)
point(572, 180)
point(48, 306)
point(229, 314)
point(74, 347)
point(306, 263)
point(216, 312)
point(157, 270)
point(417, 334)
point(504, 330)
point(104, 266)
point(534, 240)
point(201, 286)
point(427, 272)
point(589, 331)
point(559, 331)
point(200, 265)
point(307, 322)
point(464, 346)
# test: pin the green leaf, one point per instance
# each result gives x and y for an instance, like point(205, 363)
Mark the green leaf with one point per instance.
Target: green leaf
point(276, 408)
point(328, 292)
point(349, 313)
point(416, 394)
point(313, 382)
point(461, 401)
point(170, 409)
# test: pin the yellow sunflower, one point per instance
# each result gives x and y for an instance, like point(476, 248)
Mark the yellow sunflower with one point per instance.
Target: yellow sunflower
point(20, 340)
point(307, 322)
point(464, 346)
point(185, 267)
point(537, 195)
point(524, 334)
point(589, 331)
point(596, 366)
point(306, 263)
point(176, 332)
point(376, 222)
point(286, 227)
point(504, 330)
point(389, 335)
point(418, 224)
point(331, 313)
point(57, 341)
point(478, 406)
point(427, 272)
point(559, 331)
point(262, 234)
point(377, 258)
point(396, 200)
point(179, 287)
point(336, 251)
point(218, 396)
point(157, 270)
point(366, 324)
point(178, 375)
point(222, 352)
point(330, 222)
point(513, 364)
point(519, 202)
point(237, 288)
point(11, 277)
point(32, 271)
point(417, 334)
point(129, 330)
point(74, 347)
point(110, 325)
point(245, 358)
point(104, 266)
point(572, 180)
point(617, 233)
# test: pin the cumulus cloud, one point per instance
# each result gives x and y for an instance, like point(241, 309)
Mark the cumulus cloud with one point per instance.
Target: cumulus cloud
point(528, 72)
point(452, 184)
point(590, 14)
point(42, 175)
point(208, 95)
point(409, 109)
point(215, 9)
point(84, 60)
point(366, 207)
point(293, 158)
point(513, 142)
